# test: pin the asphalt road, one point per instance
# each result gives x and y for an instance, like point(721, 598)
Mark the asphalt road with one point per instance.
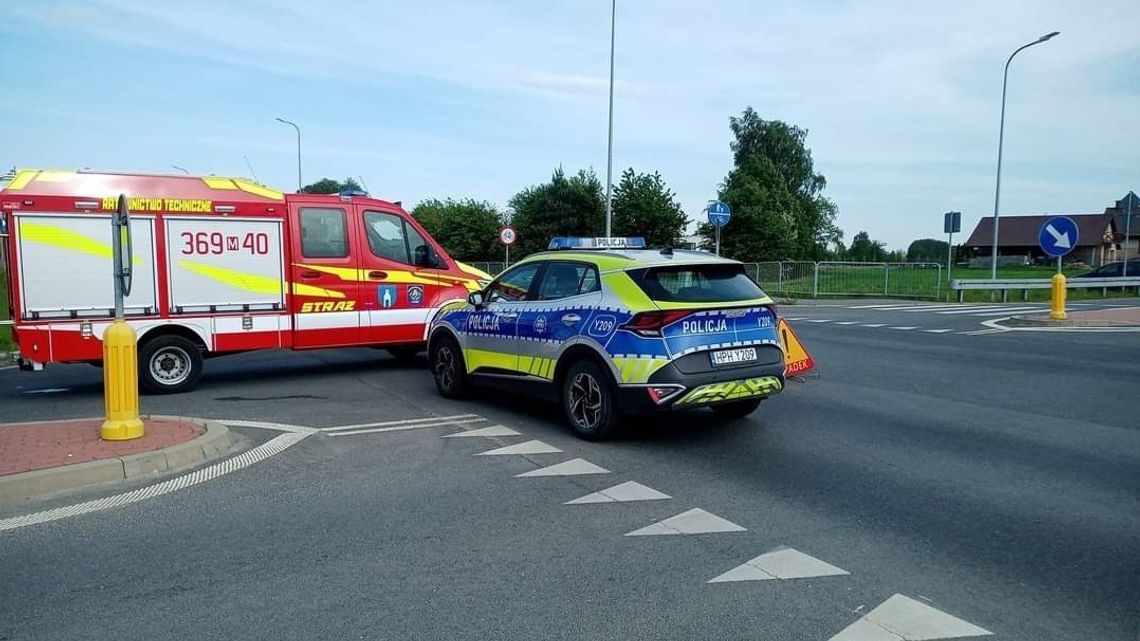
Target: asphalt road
point(992, 477)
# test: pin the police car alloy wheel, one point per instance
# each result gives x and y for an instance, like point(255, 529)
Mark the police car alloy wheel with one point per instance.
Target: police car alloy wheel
point(448, 368)
point(588, 399)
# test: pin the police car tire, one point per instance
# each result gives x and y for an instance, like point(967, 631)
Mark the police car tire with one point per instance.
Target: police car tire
point(179, 348)
point(609, 417)
point(736, 409)
point(458, 386)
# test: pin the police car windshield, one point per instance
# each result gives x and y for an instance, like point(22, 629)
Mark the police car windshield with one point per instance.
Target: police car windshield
point(697, 283)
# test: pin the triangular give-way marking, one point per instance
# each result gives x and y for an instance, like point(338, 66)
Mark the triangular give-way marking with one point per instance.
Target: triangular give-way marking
point(494, 430)
point(572, 467)
point(780, 564)
point(695, 521)
point(529, 447)
point(628, 491)
point(901, 618)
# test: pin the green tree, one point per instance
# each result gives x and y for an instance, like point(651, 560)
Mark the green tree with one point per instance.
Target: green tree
point(775, 194)
point(927, 250)
point(562, 207)
point(644, 206)
point(865, 250)
point(468, 229)
point(330, 186)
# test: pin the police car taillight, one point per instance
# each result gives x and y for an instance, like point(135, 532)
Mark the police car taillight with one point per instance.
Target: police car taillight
point(650, 323)
point(661, 393)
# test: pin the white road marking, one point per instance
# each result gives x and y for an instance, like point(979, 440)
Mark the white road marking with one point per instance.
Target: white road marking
point(276, 445)
point(847, 322)
point(494, 430)
point(905, 328)
point(400, 428)
point(281, 427)
point(1003, 310)
point(625, 492)
point(983, 332)
point(798, 318)
point(695, 521)
point(573, 467)
point(1031, 310)
point(529, 447)
point(820, 320)
point(937, 331)
point(47, 390)
point(874, 325)
point(955, 307)
point(780, 564)
point(902, 618)
point(995, 324)
point(934, 308)
point(410, 421)
point(881, 306)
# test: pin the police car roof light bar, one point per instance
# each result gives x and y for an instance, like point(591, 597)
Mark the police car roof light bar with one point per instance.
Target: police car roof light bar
point(578, 242)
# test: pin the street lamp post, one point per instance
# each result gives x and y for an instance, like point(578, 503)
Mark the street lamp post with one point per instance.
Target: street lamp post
point(610, 142)
point(1001, 139)
point(294, 125)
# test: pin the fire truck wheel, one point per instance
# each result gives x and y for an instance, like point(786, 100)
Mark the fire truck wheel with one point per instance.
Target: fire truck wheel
point(169, 364)
point(405, 353)
point(448, 368)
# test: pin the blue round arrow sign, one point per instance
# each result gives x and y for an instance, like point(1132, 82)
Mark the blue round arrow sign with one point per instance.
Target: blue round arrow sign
point(719, 213)
point(1058, 236)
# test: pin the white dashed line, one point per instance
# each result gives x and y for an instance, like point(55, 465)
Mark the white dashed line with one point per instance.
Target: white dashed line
point(901, 618)
point(780, 564)
point(573, 467)
point(820, 320)
point(847, 323)
point(996, 310)
point(695, 521)
point(623, 493)
point(937, 331)
point(908, 328)
point(529, 447)
point(874, 325)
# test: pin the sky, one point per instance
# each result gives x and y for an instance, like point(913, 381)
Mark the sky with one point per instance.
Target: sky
point(475, 98)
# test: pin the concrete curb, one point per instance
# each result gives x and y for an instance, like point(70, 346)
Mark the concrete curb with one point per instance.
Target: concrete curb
point(216, 441)
point(1044, 321)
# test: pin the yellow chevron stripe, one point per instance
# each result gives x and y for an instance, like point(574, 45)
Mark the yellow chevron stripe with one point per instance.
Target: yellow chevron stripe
point(258, 190)
point(22, 179)
point(255, 283)
point(213, 182)
point(68, 239)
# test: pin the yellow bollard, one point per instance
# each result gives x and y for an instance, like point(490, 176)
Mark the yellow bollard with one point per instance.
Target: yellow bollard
point(121, 384)
point(1059, 293)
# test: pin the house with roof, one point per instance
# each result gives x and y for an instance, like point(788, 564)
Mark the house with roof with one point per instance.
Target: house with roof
point(1098, 240)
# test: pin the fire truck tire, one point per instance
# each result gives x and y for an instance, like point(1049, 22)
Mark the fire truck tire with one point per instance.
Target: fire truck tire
point(448, 367)
point(405, 353)
point(169, 364)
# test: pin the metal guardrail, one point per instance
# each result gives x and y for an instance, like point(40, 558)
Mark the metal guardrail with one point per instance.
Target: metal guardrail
point(1005, 285)
point(493, 268)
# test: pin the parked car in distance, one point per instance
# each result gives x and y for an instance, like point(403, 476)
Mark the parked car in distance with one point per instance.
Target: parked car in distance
point(1114, 270)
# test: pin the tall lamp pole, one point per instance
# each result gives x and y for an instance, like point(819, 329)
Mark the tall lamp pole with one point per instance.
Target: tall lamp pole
point(1001, 139)
point(610, 143)
point(294, 125)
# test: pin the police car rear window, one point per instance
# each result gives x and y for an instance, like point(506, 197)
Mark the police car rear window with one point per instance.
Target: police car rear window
point(697, 283)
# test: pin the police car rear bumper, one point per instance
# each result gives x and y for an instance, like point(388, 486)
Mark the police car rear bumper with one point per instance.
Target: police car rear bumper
point(671, 389)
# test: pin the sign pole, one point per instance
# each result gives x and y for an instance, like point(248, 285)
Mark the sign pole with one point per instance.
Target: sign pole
point(1128, 230)
point(949, 262)
point(718, 240)
point(120, 343)
point(1058, 236)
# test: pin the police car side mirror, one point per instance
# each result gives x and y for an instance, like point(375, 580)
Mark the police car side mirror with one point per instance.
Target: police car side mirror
point(476, 299)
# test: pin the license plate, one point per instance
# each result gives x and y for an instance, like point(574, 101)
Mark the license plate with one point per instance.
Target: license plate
point(734, 356)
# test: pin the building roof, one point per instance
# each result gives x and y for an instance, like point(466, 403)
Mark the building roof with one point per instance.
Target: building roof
point(1022, 231)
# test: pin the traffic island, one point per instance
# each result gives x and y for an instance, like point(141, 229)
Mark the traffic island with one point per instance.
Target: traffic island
point(42, 458)
point(1100, 318)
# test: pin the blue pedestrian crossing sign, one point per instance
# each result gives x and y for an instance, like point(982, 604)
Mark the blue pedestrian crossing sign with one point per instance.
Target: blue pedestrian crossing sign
point(719, 213)
point(1058, 236)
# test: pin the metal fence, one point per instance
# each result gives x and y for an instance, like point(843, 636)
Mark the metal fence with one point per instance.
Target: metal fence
point(801, 279)
point(492, 268)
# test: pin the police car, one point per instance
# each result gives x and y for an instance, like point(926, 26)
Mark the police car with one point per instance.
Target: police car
point(609, 328)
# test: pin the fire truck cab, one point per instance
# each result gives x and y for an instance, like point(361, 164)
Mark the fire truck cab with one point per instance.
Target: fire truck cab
point(220, 265)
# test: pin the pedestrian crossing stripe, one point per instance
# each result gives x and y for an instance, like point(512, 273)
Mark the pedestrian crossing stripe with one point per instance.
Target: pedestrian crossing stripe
point(796, 359)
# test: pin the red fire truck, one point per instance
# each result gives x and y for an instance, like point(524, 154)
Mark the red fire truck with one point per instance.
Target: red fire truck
point(220, 265)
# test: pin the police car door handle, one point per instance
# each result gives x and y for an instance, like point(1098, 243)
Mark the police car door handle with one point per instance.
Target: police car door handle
point(508, 314)
point(570, 319)
point(376, 275)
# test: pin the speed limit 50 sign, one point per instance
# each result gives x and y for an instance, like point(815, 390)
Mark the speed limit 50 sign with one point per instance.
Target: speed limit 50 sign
point(507, 236)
